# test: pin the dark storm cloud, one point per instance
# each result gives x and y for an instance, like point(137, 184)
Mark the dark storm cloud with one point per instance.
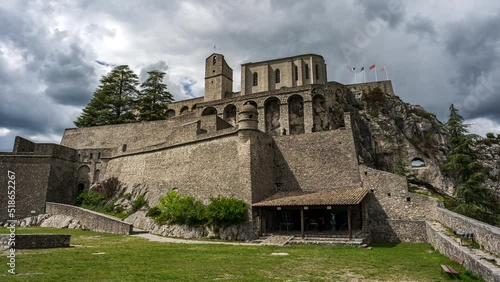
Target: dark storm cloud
point(422, 27)
point(474, 47)
point(392, 11)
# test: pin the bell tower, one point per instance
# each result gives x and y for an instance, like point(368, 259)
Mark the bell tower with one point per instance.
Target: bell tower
point(218, 78)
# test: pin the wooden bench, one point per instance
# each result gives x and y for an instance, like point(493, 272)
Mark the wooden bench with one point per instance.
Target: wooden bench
point(449, 269)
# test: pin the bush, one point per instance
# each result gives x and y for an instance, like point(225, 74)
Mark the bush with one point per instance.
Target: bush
point(224, 211)
point(139, 203)
point(178, 209)
point(375, 95)
point(490, 135)
point(90, 199)
point(153, 212)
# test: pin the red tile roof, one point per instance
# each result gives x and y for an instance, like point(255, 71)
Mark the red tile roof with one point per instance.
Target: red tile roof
point(340, 196)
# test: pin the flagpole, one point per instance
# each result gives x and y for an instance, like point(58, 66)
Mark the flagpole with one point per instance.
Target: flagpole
point(376, 79)
point(386, 75)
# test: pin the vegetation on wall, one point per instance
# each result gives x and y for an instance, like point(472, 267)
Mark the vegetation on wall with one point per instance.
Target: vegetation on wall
point(103, 198)
point(117, 99)
point(472, 196)
point(374, 96)
point(175, 208)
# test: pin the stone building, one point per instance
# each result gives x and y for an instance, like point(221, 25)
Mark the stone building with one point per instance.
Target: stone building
point(287, 144)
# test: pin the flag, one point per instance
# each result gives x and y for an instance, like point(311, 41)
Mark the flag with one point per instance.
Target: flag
point(383, 68)
point(362, 69)
point(353, 68)
point(372, 66)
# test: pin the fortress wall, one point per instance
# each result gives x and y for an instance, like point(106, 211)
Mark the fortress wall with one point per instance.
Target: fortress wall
point(389, 198)
point(109, 136)
point(262, 167)
point(199, 169)
point(318, 161)
point(359, 88)
point(31, 178)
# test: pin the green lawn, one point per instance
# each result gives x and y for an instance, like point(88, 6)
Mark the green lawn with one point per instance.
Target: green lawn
point(128, 258)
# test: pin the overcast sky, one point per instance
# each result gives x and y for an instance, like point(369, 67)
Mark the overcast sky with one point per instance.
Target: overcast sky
point(436, 52)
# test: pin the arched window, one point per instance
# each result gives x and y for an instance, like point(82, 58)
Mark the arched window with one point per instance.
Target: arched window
point(307, 71)
point(272, 116)
point(255, 79)
point(214, 61)
point(277, 75)
point(209, 111)
point(184, 110)
point(296, 73)
point(316, 70)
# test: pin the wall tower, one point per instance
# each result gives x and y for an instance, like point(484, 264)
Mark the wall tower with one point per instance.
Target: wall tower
point(218, 78)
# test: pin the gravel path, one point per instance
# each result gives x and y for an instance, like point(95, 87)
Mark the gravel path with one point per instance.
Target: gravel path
point(156, 238)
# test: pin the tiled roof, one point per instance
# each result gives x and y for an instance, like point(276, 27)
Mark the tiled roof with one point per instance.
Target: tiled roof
point(340, 196)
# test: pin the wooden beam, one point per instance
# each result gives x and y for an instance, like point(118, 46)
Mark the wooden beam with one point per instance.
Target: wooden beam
point(349, 223)
point(302, 222)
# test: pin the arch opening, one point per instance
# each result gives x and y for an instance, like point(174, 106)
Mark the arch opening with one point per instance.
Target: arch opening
point(417, 162)
point(229, 114)
point(272, 116)
point(296, 114)
point(209, 111)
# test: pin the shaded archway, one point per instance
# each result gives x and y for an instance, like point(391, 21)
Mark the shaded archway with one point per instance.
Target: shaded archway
point(184, 110)
point(194, 107)
point(209, 111)
point(272, 116)
point(229, 114)
point(321, 117)
point(97, 174)
point(253, 103)
point(296, 114)
point(83, 178)
point(170, 113)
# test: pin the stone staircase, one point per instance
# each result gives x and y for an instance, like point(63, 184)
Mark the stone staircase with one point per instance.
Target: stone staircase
point(359, 240)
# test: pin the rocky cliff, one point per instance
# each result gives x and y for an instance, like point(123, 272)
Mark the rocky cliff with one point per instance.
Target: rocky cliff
point(401, 138)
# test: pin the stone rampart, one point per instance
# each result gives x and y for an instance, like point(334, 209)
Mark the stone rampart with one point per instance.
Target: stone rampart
point(486, 235)
point(36, 241)
point(94, 221)
point(448, 247)
point(398, 231)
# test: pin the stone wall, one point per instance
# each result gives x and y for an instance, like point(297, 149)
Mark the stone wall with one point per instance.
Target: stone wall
point(263, 170)
point(360, 88)
point(94, 221)
point(486, 235)
point(323, 160)
point(448, 247)
point(203, 168)
point(36, 241)
point(398, 231)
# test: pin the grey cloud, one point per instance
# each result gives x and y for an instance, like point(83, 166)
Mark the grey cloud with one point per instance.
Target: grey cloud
point(392, 11)
point(423, 27)
point(160, 65)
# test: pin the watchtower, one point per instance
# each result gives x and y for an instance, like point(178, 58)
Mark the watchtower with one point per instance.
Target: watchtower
point(218, 78)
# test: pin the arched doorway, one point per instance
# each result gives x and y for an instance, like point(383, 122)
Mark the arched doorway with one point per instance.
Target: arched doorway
point(230, 114)
point(321, 117)
point(209, 111)
point(83, 178)
point(296, 114)
point(272, 116)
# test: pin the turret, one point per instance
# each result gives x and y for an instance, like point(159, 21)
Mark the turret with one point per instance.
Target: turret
point(248, 118)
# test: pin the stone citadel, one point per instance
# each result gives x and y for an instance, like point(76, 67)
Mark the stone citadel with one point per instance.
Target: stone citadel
point(290, 143)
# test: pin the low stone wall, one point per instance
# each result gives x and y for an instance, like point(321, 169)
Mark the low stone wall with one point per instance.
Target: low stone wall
point(398, 231)
point(242, 232)
point(448, 247)
point(91, 220)
point(36, 241)
point(486, 235)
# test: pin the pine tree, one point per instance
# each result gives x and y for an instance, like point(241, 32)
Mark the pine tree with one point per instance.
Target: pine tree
point(474, 198)
point(153, 100)
point(113, 100)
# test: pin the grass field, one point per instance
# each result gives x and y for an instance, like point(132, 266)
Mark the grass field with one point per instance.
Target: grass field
point(104, 257)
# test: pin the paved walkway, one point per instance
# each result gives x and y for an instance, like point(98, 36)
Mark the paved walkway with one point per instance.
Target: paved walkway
point(156, 238)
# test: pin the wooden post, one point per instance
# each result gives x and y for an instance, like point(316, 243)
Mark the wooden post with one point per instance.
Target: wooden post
point(302, 222)
point(349, 223)
point(260, 221)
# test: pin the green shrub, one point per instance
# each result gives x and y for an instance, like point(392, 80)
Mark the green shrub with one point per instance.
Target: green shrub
point(127, 196)
point(139, 203)
point(224, 211)
point(153, 212)
point(375, 95)
point(490, 135)
point(90, 199)
point(178, 209)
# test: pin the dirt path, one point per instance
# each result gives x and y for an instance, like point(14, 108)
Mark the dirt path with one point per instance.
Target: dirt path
point(156, 238)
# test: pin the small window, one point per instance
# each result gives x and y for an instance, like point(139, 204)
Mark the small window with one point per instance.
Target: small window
point(255, 79)
point(296, 73)
point(214, 60)
point(388, 194)
point(316, 70)
point(307, 71)
point(98, 155)
point(91, 155)
point(408, 199)
point(124, 147)
point(278, 75)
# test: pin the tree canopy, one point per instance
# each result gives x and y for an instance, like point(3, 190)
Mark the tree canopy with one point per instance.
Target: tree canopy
point(473, 197)
point(153, 99)
point(117, 99)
